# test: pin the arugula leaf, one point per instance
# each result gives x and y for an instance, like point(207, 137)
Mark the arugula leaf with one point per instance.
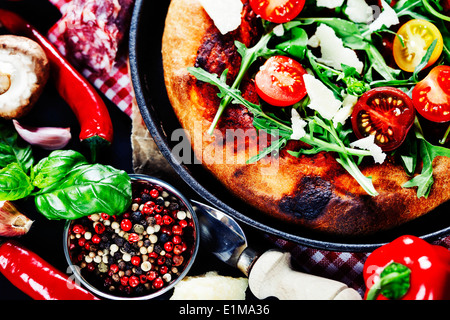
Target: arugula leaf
point(378, 63)
point(294, 43)
point(428, 153)
point(411, 8)
point(10, 149)
point(14, 183)
point(409, 153)
point(88, 189)
point(434, 12)
point(273, 150)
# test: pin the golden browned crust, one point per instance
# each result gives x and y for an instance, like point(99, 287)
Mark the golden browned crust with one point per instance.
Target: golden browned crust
point(311, 191)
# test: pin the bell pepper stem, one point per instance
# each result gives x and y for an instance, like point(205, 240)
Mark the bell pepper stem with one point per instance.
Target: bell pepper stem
point(386, 282)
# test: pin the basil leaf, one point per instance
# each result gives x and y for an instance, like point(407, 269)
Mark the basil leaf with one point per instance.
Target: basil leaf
point(11, 151)
point(14, 183)
point(86, 190)
point(50, 171)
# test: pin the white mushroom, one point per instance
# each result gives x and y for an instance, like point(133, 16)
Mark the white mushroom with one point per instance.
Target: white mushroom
point(24, 71)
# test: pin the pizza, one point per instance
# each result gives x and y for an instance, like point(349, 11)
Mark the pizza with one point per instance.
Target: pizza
point(339, 147)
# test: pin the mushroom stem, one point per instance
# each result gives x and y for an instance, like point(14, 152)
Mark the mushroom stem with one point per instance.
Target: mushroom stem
point(5, 82)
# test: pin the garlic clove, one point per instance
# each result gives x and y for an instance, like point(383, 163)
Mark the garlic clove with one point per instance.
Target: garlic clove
point(12, 222)
point(48, 138)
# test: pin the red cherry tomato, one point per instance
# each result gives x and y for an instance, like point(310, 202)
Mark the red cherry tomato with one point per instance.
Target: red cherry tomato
point(431, 96)
point(279, 81)
point(387, 113)
point(278, 11)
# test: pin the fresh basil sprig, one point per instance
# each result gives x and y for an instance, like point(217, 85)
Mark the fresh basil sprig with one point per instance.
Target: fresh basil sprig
point(66, 186)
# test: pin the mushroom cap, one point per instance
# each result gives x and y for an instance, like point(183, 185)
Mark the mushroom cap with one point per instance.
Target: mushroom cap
point(24, 71)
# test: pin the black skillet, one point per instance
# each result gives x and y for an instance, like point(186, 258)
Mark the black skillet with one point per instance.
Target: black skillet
point(148, 80)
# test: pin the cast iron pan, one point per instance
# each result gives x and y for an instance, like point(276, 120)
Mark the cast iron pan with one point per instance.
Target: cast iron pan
point(148, 80)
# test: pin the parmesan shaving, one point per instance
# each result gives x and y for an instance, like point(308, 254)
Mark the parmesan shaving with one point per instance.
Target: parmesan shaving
point(359, 11)
point(321, 98)
point(330, 4)
point(368, 143)
point(298, 125)
point(226, 14)
point(346, 111)
point(334, 54)
point(388, 17)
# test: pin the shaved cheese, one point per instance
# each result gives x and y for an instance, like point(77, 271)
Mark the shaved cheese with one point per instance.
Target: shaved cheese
point(321, 98)
point(368, 143)
point(388, 17)
point(298, 125)
point(346, 111)
point(226, 14)
point(333, 51)
point(331, 4)
point(359, 11)
point(278, 30)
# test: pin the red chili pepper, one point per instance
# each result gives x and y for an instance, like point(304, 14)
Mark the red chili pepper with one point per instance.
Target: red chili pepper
point(408, 268)
point(36, 277)
point(83, 99)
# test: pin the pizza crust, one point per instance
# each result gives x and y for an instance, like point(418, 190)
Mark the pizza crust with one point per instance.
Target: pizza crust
point(311, 191)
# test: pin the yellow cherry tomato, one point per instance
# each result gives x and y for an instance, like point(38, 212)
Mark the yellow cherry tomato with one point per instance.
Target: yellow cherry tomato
point(412, 41)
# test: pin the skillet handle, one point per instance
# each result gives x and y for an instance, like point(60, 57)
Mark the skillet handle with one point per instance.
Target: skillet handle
point(273, 276)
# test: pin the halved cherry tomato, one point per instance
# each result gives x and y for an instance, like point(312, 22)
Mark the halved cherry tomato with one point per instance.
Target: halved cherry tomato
point(278, 11)
point(279, 81)
point(387, 113)
point(431, 96)
point(417, 35)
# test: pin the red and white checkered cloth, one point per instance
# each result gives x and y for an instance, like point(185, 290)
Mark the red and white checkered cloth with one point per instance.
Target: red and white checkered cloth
point(115, 85)
point(341, 266)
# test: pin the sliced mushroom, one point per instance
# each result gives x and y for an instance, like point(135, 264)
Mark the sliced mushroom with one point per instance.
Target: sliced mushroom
point(24, 71)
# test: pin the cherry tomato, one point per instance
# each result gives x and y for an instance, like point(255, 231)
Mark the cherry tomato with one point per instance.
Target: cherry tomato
point(417, 35)
point(387, 113)
point(279, 82)
point(278, 11)
point(431, 96)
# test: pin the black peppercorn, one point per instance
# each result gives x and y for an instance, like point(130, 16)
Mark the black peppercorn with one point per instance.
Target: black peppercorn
point(119, 241)
point(164, 237)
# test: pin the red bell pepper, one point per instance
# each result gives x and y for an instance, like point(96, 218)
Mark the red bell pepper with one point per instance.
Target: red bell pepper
point(408, 268)
point(36, 277)
point(83, 99)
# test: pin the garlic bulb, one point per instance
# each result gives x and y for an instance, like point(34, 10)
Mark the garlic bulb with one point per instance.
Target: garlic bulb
point(48, 138)
point(12, 222)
